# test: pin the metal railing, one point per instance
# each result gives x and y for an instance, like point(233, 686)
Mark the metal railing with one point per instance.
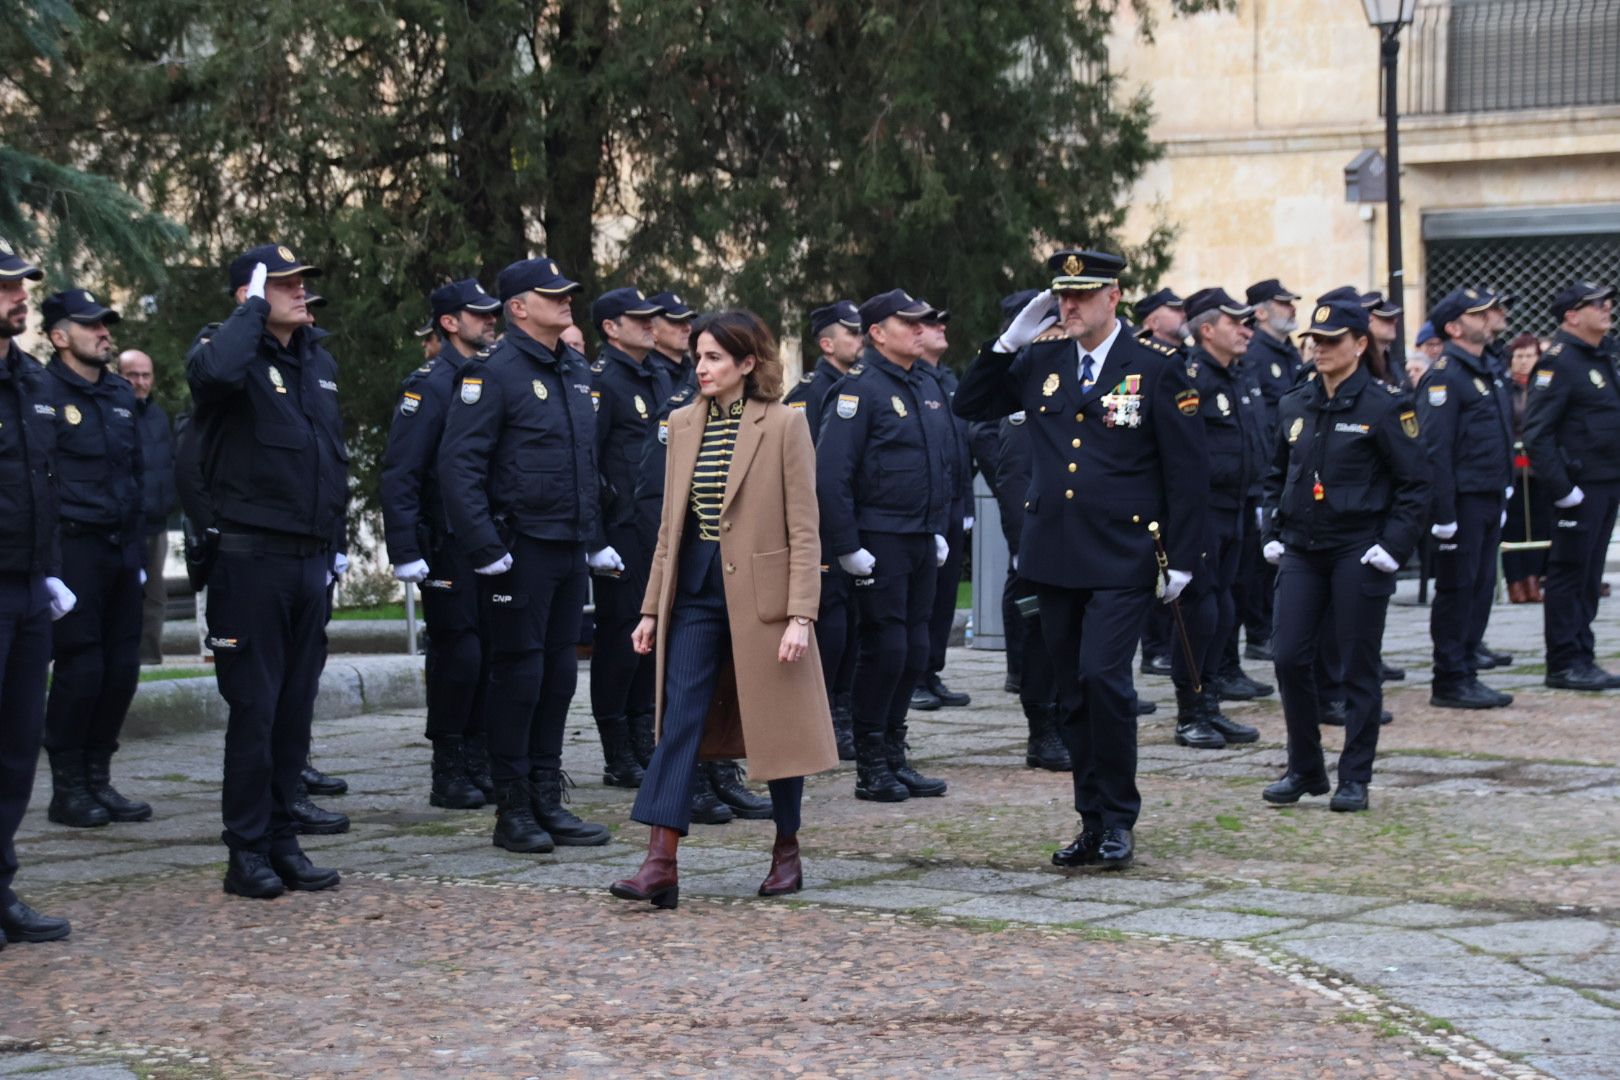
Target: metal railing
point(1472, 56)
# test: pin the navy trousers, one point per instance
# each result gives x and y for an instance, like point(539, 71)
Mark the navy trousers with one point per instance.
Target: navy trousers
point(1323, 594)
point(621, 680)
point(895, 603)
point(946, 580)
point(697, 642)
point(1464, 581)
point(1580, 544)
point(457, 656)
point(96, 646)
point(1091, 635)
point(835, 631)
point(1209, 612)
point(25, 653)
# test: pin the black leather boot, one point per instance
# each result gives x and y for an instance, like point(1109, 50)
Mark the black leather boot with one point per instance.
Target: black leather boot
point(619, 769)
point(315, 820)
point(299, 874)
point(515, 827)
point(248, 873)
point(19, 922)
point(1192, 728)
point(925, 787)
point(98, 775)
point(451, 787)
point(1045, 750)
point(320, 783)
point(843, 727)
point(642, 739)
point(475, 751)
point(71, 801)
point(726, 779)
point(873, 780)
point(1230, 729)
point(549, 791)
point(707, 809)
point(947, 697)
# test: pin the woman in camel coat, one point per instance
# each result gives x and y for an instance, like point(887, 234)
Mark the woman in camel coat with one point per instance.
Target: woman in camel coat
point(731, 602)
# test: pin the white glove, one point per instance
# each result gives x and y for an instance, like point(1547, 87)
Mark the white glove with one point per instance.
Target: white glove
point(1575, 497)
point(1273, 551)
point(1260, 517)
point(499, 566)
point(1503, 523)
point(858, 563)
point(62, 598)
point(1028, 324)
point(942, 550)
point(1443, 532)
point(967, 523)
point(1379, 559)
point(415, 570)
point(606, 559)
point(1508, 493)
point(1015, 564)
point(340, 564)
point(143, 577)
point(1178, 581)
point(256, 282)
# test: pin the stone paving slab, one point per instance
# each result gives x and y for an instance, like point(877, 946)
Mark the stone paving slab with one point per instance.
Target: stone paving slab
point(1284, 900)
point(1201, 923)
point(1035, 909)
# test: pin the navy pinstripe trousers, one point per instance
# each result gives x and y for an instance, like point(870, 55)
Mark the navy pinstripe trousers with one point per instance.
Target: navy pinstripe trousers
point(699, 639)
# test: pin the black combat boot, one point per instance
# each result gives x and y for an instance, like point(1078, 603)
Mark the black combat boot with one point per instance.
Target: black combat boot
point(249, 873)
point(71, 801)
point(1230, 729)
point(843, 718)
point(707, 809)
point(726, 779)
point(1192, 727)
point(873, 779)
point(549, 792)
point(1045, 750)
point(919, 785)
point(515, 827)
point(313, 820)
point(98, 775)
point(619, 768)
point(320, 783)
point(452, 789)
point(642, 739)
point(475, 751)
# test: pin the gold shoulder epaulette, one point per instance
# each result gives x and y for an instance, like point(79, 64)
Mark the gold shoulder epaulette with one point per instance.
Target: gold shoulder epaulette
point(599, 366)
point(1440, 364)
point(1054, 334)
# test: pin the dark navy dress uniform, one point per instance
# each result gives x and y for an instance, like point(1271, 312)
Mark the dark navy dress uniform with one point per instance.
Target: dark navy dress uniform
point(97, 646)
point(1572, 436)
point(1465, 409)
point(416, 527)
point(1106, 460)
point(949, 576)
point(270, 443)
point(884, 469)
point(517, 468)
point(28, 555)
point(628, 396)
point(1348, 472)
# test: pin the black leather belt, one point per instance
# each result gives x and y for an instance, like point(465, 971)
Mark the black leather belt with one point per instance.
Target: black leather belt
point(268, 543)
point(100, 532)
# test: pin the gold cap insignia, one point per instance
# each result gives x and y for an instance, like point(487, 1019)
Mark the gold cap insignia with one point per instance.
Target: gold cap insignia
point(1072, 265)
point(286, 253)
point(1322, 314)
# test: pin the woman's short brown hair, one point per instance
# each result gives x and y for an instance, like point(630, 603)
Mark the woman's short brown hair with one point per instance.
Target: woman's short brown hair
point(741, 334)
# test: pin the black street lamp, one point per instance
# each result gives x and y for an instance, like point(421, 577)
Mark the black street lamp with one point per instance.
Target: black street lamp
point(1388, 17)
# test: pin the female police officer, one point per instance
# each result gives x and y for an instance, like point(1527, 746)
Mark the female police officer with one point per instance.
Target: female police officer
point(1344, 507)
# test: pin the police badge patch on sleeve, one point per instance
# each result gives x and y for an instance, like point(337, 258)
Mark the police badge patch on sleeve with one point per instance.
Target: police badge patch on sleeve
point(848, 404)
point(409, 403)
point(1409, 424)
point(1437, 396)
point(663, 432)
point(471, 391)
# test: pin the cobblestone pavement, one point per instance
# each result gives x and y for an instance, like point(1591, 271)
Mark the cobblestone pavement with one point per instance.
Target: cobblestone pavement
point(1466, 926)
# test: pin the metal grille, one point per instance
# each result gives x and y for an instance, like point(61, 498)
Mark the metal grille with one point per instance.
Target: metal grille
point(1494, 55)
point(1532, 268)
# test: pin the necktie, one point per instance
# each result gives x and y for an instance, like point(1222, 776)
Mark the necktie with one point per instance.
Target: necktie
point(1088, 375)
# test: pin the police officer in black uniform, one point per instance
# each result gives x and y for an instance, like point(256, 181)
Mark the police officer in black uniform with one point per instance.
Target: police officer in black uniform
point(270, 445)
point(1346, 499)
point(672, 326)
point(884, 464)
point(630, 384)
point(931, 692)
point(31, 593)
point(1232, 412)
point(517, 473)
point(1163, 319)
point(425, 553)
point(836, 330)
point(1116, 445)
point(1572, 436)
point(1466, 412)
point(96, 649)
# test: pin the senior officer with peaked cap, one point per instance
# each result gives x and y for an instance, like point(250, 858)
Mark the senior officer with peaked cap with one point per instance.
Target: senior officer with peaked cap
point(517, 469)
point(1116, 445)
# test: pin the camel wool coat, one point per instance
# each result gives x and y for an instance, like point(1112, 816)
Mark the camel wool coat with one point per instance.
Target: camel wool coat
point(772, 713)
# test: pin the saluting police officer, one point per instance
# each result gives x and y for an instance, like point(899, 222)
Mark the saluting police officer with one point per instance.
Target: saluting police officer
point(883, 477)
point(1466, 413)
point(424, 552)
point(630, 384)
point(931, 692)
point(1116, 446)
point(517, 472)
point(1163, 318)
point(270, 446)
point(96, 649)
point(1346, 498)
point(31, 593)
point(836, 330)
point(1232, 412)
point(1572, 436)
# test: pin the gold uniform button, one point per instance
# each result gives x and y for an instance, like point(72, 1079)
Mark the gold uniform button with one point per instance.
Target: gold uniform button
point(1075, 443)
point(1073, 467)
point(1069, 494)
point(1080, 416)
point(1136, 519)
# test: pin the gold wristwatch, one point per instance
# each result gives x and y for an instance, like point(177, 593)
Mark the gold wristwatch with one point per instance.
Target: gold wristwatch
point(802, 620)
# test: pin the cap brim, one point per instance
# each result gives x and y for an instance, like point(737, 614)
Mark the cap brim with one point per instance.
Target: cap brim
point(678, 316)
point(1324, 332)
point(558, 290)
point(1081, 284)
point(100, 315)
point(1386, 313)
point(493, 305)
point(32, 273)
point(915, 313)
point(423, 331)
point(302, 268)
point(1287, 296)
point(643, 312)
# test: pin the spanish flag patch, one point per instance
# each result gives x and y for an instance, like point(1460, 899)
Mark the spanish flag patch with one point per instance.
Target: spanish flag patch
point(1187, 402)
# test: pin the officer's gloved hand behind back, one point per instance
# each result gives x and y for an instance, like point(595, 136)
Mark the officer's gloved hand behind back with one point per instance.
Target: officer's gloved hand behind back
point(499, 566)
point(606, 559)
point(942, 550)
point(62, 598)
point(858, 563)
point(1379, 559)
point(1575, 497)
point(1273, 551)
point(414, 571)
point(1443, 532)
point(1028, 324)
point(1178, 580)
